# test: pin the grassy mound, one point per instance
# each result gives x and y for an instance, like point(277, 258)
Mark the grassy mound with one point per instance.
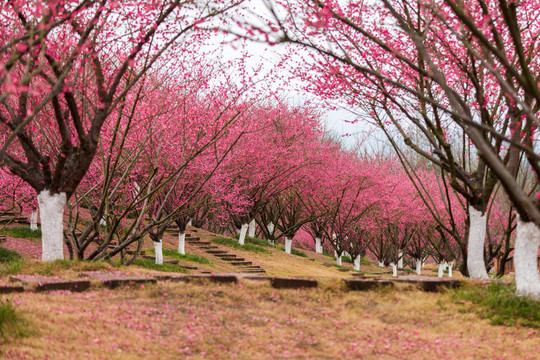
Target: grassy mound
point(498, 302)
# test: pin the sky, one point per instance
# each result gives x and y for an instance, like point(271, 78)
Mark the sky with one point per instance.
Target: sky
point(263, 61)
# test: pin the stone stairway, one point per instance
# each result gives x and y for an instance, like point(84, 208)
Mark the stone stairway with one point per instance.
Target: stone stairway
point(241, 264)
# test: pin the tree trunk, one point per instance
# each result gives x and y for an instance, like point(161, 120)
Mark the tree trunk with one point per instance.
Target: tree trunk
point(270, 227)
point(288, 245)
point(182, 242)
point(440, 273)
point(450, 269)
point(318, 246)
point(418, 266)
point(158, 249)
point(400, 261)
point(356, 264)
point(189, 223)
point(381, 264)
point(526, 259)
point(251, 232)
point(33, 220)
point(243, 231)
point(338, 260)
point(477, 236)
point(51, 211)
point(394, 269)
point(463, 264)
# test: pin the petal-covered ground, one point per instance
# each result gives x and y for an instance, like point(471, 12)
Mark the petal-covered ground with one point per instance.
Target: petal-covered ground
point(251, 320)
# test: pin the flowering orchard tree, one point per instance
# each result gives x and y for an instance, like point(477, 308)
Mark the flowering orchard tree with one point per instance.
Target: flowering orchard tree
point(469, 65)
point(155, 163)
point(65, 69)
point(272, 156)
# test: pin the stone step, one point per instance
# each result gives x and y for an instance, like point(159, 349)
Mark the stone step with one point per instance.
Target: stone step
point(238, 263)
point(207, 247)
point(165, 261)
point(291, 283)
point(254, 271)
point(212, 251)
point(190, 238)
point(232, 259)
point(233, 256)
point(252, 267)
point(188, 267)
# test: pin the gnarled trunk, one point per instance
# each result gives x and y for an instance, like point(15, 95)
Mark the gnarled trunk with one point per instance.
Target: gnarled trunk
point(477, 236)
point(158, 249)
point(243, 231)
point(526, 259)
point(51, 211)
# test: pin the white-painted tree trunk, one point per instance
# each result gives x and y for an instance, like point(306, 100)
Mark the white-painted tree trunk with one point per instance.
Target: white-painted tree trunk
point(51, 211)
point(251, 230)
point(424, 262)
point(102, 222)
point(288, 245)
point(182, 243)
point(243, 231)
point(338, 260)
point(450, 269)
point(525, 259)
point(318, 246)
point(400, 261)
point(189, 223)
point(158, 249)
point(33, 220)
point(270, 227)
point(394, 269)
point(440, 273)
point(475, 253)
point(356, 263)
point(418, 266)
point(381, 264)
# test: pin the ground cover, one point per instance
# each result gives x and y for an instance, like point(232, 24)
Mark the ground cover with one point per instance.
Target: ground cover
point(251, 320)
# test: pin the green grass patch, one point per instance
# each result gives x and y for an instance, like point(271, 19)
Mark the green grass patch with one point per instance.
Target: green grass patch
point(175, 255)
point(10, 262)
point(255, 241)
point(12, 325)
point(151, 264)
point(234, 244)
point(364, 260)
point(21, 232)
point(296, 252)
point(499, 303)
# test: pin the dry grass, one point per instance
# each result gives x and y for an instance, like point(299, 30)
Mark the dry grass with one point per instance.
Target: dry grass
point(251, 320)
